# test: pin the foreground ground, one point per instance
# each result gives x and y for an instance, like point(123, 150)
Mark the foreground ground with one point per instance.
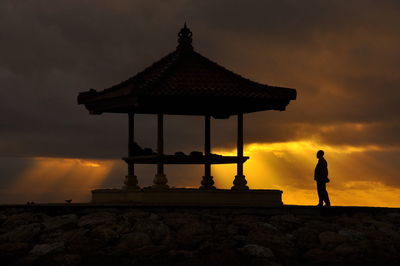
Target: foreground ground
point(126, 235)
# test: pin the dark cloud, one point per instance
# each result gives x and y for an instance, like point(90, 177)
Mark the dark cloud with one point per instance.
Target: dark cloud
point(342, 56)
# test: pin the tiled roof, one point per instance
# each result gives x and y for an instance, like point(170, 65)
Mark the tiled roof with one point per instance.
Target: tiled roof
point(186, 73)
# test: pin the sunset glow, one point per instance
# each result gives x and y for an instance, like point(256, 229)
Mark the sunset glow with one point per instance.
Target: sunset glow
point(357, 178)
point(341, 57)
point(358, 175)
point(57, 179)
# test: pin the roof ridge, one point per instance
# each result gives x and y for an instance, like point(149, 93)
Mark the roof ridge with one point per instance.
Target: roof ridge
point(233, 74)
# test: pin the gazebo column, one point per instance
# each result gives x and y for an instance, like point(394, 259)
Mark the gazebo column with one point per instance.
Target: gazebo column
point(160, 181)
point(240, 180)
point(207, 182)
point(131, 181)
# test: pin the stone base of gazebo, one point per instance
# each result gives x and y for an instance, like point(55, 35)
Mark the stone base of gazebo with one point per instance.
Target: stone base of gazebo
point(189, 197)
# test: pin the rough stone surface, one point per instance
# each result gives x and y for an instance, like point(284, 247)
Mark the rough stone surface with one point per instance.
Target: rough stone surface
point(44, 249)
point(96, 219)
point(330, 238)
point(61, 222)
point(257, 251)
point(198, 236)
point(23, 233)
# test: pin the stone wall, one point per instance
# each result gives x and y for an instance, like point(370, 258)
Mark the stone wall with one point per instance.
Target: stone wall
point(84, 235)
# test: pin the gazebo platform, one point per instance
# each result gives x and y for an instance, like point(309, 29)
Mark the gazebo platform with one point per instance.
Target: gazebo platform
point(190, 197)
point(184, 159)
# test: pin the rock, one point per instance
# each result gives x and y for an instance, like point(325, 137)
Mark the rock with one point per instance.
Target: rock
point(269, 226)
point(199, 237)
point(269, 238)
point(51, 236)
point(157, 231)
point(318, 256)
point(393, 217)
point(219, 256)
point(154, 217)
point(290, 236)
point(23, 233)
point(306, 238)
point(190, 235)
point(148, 251)
point(80, 241)
point(136, 239)
point(232, 229)
point(130, 242)
point(345, 249)
point(176, 220)
point(285, 223)
point(245, 219)
point(241, 239)
point(3, 218)
point(351, 235)
point(189, 228)
point(220, 228)
point(385, 227)
point(213, 218)
point(99, 210)
point(97, 219)
point(329, 238)
point(181, 253)
point(67, 259)
point(280, 244)
point(44, 249)
point(20, 219)
point(263, 262)
point(61, 222)
point(14, 249)
point(348, 222)
point(320, 225)
point(105, 232)
point(133, 215)
point(257, 251)
point(289, 218)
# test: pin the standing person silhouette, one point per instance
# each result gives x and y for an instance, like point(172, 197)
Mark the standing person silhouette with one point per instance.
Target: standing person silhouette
point(321, 177)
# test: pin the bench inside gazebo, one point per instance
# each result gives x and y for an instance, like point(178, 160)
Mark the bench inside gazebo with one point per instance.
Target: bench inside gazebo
point(186, 83)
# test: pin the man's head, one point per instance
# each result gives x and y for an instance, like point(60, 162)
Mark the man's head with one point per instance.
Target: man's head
point(320, 154)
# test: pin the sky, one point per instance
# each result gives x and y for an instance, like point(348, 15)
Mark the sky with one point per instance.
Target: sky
point(341, 56)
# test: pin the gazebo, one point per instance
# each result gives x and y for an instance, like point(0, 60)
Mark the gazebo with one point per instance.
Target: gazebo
point(186, 83)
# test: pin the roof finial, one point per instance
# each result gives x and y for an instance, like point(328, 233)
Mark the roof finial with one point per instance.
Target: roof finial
point(185, 37)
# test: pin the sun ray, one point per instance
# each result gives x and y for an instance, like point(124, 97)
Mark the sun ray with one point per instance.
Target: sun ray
point(53, 179)
point(356, 176)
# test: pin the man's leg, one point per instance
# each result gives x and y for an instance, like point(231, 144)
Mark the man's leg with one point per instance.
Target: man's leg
point(320, 193)
point(326, 196)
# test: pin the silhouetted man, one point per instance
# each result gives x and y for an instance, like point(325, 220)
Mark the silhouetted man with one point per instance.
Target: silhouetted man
point(321, 177)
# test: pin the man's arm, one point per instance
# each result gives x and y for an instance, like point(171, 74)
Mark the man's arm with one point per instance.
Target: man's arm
point(325, 169)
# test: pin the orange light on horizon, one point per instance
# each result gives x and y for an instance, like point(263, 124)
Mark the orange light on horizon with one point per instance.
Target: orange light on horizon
point(289, 166)
point(56, 179)
point(357, 177)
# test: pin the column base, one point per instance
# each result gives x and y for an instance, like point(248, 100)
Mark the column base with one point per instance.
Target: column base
point(160, 182)
point(207, 183)
point(131, 182)
point(240, 183)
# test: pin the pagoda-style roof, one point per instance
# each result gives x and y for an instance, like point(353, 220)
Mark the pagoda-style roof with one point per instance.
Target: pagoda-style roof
point(186, 83)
